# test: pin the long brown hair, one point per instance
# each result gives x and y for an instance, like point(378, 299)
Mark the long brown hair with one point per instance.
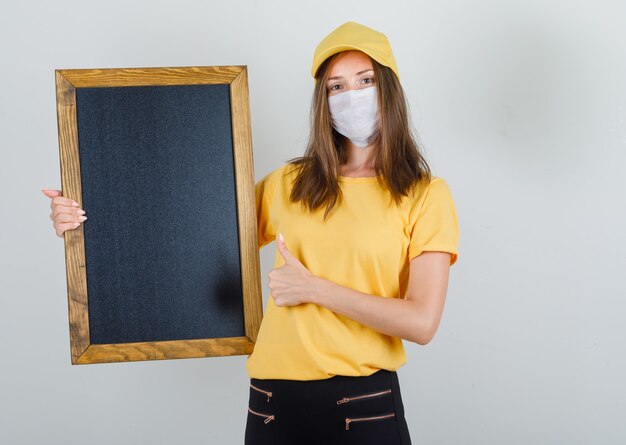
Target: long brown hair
point(399, 161)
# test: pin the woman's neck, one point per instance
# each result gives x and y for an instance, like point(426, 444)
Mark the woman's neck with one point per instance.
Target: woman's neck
point(361, 160)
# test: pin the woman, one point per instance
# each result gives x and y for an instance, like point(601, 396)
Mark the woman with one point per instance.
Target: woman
point(365, 240)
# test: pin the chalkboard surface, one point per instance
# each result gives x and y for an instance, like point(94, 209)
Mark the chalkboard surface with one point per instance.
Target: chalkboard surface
point(160, 263)
point(167, 264)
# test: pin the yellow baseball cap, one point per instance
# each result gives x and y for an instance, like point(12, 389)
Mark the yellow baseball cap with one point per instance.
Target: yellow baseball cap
point(353, 35)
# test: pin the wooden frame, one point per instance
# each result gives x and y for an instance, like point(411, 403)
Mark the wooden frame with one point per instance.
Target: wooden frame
point(67, 82)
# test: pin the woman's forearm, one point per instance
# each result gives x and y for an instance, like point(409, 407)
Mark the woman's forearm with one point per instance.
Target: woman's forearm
point(392, 316)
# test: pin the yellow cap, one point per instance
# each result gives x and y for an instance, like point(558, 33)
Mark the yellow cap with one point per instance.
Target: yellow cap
point(353, 35)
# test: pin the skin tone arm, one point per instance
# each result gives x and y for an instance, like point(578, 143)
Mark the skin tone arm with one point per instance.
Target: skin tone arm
point(415, 318)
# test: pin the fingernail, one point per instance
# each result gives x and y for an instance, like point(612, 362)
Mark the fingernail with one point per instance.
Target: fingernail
point(76, 224)
point(80, 211)
point(75, 204)
point(280, 237)
point(82, 218)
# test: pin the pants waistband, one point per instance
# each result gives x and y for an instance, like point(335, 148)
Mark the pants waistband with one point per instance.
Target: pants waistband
point(330, 389)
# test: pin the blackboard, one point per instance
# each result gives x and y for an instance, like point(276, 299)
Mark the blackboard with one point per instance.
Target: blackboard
point(166, 265)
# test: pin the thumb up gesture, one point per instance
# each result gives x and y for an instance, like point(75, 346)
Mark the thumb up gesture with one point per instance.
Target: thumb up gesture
point(291, 283)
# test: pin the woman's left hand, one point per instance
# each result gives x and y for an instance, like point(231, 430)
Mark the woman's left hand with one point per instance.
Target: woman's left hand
point(291, 283)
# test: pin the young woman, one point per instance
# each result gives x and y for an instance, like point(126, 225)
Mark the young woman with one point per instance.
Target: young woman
point(365, 240)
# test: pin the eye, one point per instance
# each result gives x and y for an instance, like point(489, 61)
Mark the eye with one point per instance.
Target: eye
point(368, 80)
point(334, 87)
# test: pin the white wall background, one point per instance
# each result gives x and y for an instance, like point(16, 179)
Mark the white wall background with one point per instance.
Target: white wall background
point(521, 107)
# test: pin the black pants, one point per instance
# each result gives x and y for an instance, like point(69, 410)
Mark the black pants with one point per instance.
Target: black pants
point(339, 410)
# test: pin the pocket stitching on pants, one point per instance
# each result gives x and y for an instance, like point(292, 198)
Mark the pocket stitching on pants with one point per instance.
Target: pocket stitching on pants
point(268, 417)
point(349, 420)
point(367, 396)
point(267, 393)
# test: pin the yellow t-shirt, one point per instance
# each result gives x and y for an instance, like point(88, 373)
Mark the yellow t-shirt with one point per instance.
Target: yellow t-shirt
point(366, 244)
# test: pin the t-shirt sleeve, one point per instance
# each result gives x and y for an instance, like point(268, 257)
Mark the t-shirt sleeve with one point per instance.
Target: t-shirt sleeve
point(435, 225)
point(264, 190)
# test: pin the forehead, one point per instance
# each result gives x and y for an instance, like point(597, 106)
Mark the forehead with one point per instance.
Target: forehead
point(350, 62)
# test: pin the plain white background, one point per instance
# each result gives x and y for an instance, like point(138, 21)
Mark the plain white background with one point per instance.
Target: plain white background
point(521, 108)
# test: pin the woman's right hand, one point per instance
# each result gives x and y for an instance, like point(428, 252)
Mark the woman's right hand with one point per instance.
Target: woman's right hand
point(66, 214)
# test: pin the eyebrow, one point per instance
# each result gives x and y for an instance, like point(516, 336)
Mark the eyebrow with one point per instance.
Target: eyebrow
point(358, 74)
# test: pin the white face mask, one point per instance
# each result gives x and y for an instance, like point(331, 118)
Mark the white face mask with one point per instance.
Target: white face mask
point(355, 114)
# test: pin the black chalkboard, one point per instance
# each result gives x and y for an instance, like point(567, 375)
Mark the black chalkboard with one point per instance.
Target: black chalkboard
point(172, 237)
point(166, 265)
